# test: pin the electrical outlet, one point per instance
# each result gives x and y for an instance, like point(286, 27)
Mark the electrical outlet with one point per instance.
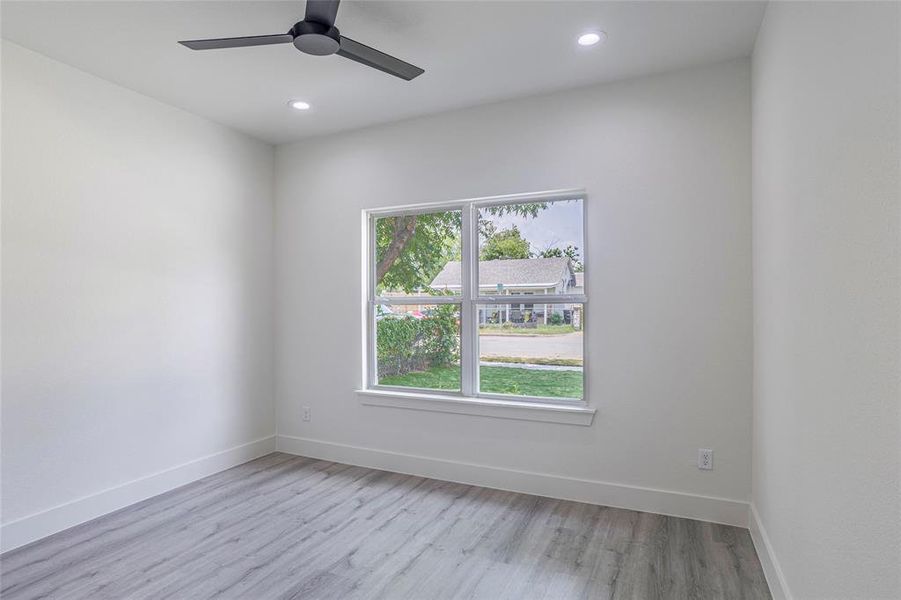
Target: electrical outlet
point(307, 413)
point(705, 459)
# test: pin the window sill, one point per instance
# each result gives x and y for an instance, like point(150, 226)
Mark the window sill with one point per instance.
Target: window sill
point(484, 407)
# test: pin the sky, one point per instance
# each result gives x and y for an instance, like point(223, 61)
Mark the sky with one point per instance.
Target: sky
point(558, 226)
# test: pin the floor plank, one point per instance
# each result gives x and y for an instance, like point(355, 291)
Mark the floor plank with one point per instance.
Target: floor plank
point(285, 527)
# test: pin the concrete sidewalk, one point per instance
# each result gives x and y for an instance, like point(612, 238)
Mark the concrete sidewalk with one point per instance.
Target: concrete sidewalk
point(529, 366)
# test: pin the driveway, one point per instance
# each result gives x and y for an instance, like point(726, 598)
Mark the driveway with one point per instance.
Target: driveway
point(568, 345)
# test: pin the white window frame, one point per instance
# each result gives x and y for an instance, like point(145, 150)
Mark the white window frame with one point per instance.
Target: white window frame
point(469, 300)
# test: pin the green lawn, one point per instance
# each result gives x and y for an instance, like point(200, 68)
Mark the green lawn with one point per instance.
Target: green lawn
point(497, 380)
point(539, 330)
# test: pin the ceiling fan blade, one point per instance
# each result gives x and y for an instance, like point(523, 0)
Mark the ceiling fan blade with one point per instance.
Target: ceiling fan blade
point(238, 42)
point(377, 60)
point(322, 11)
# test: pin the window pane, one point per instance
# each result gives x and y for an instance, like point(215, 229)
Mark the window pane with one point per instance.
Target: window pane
point(531, 248)
point(418, 346)
point(418, 254)
point(531, 349)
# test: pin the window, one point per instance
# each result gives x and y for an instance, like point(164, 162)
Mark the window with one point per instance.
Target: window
point(479, 298)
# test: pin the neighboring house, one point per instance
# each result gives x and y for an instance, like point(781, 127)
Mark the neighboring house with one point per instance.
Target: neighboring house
point(579, 288)
point(517, 277)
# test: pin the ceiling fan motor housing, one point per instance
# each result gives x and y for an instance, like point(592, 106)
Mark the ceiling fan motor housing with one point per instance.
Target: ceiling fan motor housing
point(316, 38)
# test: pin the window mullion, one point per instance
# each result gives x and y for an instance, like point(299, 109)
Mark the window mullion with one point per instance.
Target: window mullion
point(468, 351)
point(371, 253)
point(371, 366)
point(371, 352)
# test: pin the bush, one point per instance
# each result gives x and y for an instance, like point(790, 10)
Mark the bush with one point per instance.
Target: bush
point(405, 344)
point(555, 319)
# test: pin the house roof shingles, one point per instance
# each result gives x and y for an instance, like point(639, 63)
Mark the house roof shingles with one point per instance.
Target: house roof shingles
point(536, 271)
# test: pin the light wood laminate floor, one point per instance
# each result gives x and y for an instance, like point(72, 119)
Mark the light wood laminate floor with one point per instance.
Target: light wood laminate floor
point(289, 527)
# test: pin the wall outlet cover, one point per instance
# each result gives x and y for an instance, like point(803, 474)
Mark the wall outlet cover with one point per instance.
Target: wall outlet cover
point(705, 459)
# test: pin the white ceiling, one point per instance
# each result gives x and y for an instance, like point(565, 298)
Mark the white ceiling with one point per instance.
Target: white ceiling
point(473, 52)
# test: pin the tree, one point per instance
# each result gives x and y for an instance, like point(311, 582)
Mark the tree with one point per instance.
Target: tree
point(504, 245)
point(411, 250)
point(571, 252)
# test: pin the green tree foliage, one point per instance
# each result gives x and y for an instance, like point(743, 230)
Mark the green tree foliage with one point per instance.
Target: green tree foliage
point(504, 245)
point(571, 252)
point(412, 250)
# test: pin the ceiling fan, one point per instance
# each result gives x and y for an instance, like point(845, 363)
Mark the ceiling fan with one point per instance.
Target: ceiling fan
point(317, 35)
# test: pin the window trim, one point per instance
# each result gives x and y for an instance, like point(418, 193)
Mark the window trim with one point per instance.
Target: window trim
point(469, 300)
point(484, 407)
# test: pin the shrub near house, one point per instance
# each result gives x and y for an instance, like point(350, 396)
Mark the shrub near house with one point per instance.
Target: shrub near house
point(406, 343)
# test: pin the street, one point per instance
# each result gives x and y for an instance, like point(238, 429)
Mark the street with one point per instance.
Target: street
point(568, 345)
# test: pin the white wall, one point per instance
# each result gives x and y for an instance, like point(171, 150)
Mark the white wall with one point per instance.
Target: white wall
point(666, 163)
point(827, 298)
point(137, 295)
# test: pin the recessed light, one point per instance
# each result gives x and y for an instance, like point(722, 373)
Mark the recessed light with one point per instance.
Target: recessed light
point(299, 105)
point(591, 38)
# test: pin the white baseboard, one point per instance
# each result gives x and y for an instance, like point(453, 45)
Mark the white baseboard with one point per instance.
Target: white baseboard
point(775, 578)
point(677, 504)
point(34, 527)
